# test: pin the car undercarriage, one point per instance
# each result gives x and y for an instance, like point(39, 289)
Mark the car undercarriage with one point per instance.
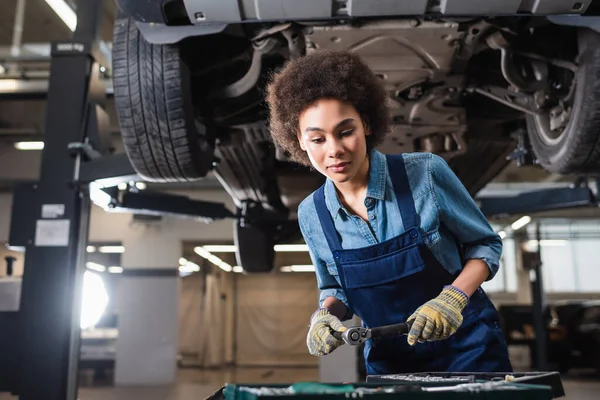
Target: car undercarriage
point(478, 91)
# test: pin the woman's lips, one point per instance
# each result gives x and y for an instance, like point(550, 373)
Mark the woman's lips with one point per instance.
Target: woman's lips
point(340, 167)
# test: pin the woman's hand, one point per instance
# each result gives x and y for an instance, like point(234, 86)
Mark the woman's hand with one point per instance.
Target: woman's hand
point(319, 340)
point(438, 318)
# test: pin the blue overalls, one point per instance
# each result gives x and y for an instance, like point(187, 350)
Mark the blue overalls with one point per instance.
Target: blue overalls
point(386, 282)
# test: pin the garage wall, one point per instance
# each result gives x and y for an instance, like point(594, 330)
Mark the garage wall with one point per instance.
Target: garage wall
point(248, 320)
point(272, 314)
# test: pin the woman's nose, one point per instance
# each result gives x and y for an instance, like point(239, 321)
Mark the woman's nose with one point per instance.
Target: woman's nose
point(335, 148)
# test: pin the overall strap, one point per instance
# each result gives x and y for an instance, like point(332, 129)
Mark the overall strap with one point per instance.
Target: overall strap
point(326, 220)
point(406, 203)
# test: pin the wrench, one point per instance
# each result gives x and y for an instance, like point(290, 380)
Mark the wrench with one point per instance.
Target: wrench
point(357, 335)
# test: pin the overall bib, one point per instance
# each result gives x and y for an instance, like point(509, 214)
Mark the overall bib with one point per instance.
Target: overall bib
point(386, 282)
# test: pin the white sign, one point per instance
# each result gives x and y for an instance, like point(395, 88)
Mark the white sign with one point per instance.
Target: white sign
point(53, 210)
point(54, 232)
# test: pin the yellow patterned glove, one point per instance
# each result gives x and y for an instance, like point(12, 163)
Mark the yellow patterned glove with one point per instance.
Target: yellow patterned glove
point(319, 340)
point(438, 318)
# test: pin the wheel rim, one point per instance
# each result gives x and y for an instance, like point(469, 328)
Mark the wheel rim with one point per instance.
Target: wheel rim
point(547, 135)
point(553, 124)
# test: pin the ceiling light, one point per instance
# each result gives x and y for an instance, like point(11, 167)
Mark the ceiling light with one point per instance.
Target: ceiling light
point(290, 247)
point(33, 145)
point(238, 270)
point(95, 266)
point(189, 267)
point(202, 252)
point(220, 248)
point(141, 185)
point(502, 234)
point(122, 186)
point(115, 270)
point(182, 261)
point(111, 249)
point(224, 266)
point(64, 12)
point(521, 222)
point(298, 268)
point(547, 243)
point(90, 249)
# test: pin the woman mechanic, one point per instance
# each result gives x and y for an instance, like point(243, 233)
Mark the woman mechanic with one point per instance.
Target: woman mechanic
point(393, 238)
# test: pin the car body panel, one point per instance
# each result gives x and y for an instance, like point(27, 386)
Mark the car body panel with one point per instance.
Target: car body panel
point(206, 17)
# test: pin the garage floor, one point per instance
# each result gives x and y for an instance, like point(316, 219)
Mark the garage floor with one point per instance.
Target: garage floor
point(196, 384)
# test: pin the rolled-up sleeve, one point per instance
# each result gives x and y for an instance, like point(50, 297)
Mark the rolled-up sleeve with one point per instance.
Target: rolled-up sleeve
point(460, 214)
point(327, 284)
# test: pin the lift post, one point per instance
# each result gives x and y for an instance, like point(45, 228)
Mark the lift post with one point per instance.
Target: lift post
point(56, 232)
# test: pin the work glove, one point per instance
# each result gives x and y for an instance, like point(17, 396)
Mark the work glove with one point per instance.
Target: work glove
point(320, 340)
point(438, 318)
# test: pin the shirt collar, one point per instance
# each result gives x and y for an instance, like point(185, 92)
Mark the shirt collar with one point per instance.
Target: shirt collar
point(375, 188)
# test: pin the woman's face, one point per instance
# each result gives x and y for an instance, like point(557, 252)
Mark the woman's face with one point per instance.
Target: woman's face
point(334, 137)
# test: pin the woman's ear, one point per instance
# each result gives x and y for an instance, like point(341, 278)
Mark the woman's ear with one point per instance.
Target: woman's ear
point(366, 128)
point(299, 136)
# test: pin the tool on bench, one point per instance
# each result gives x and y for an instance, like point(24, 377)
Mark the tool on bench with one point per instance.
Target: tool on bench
point(357, 335)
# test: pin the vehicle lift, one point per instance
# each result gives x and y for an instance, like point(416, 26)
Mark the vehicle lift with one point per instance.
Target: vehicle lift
point(39, 342)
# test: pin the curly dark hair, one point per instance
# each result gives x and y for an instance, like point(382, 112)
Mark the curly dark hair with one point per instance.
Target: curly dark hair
point(323, 74)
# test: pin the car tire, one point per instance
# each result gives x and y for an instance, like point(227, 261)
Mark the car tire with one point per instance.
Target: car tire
point(254, 247)
point(162, 138)
point(577, 148)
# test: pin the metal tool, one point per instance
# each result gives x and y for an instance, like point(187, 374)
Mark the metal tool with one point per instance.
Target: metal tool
point(357, 335)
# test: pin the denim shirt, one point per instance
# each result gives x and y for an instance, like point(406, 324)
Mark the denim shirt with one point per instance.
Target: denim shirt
point(447, 214)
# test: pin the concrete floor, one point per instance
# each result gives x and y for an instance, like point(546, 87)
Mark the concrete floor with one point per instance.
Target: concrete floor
point(197, 384)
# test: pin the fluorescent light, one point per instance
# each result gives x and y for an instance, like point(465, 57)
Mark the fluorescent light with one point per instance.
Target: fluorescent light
point(189, 267)
point(238, 270)
point(111, 249)
point(548, 243)
point(298, 268)
point(90, 249)
point(115, 270)
point(502, 234)
point(64, 12)
point(202, 252)
point(521, 222)
point(182, 261)
point(95, 266)
point(214, 259)
point(29, 145)
point(140, 185)
point(290, 247)
point(224, 266)
point(220, 248)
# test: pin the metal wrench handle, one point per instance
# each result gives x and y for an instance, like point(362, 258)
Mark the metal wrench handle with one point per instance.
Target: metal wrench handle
point(391, 330)
point(381, 331)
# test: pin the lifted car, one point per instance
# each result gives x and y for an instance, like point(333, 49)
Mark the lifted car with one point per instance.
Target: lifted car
point(478, 83)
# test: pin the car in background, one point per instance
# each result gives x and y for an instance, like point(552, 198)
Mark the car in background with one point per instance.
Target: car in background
point(478, 83)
